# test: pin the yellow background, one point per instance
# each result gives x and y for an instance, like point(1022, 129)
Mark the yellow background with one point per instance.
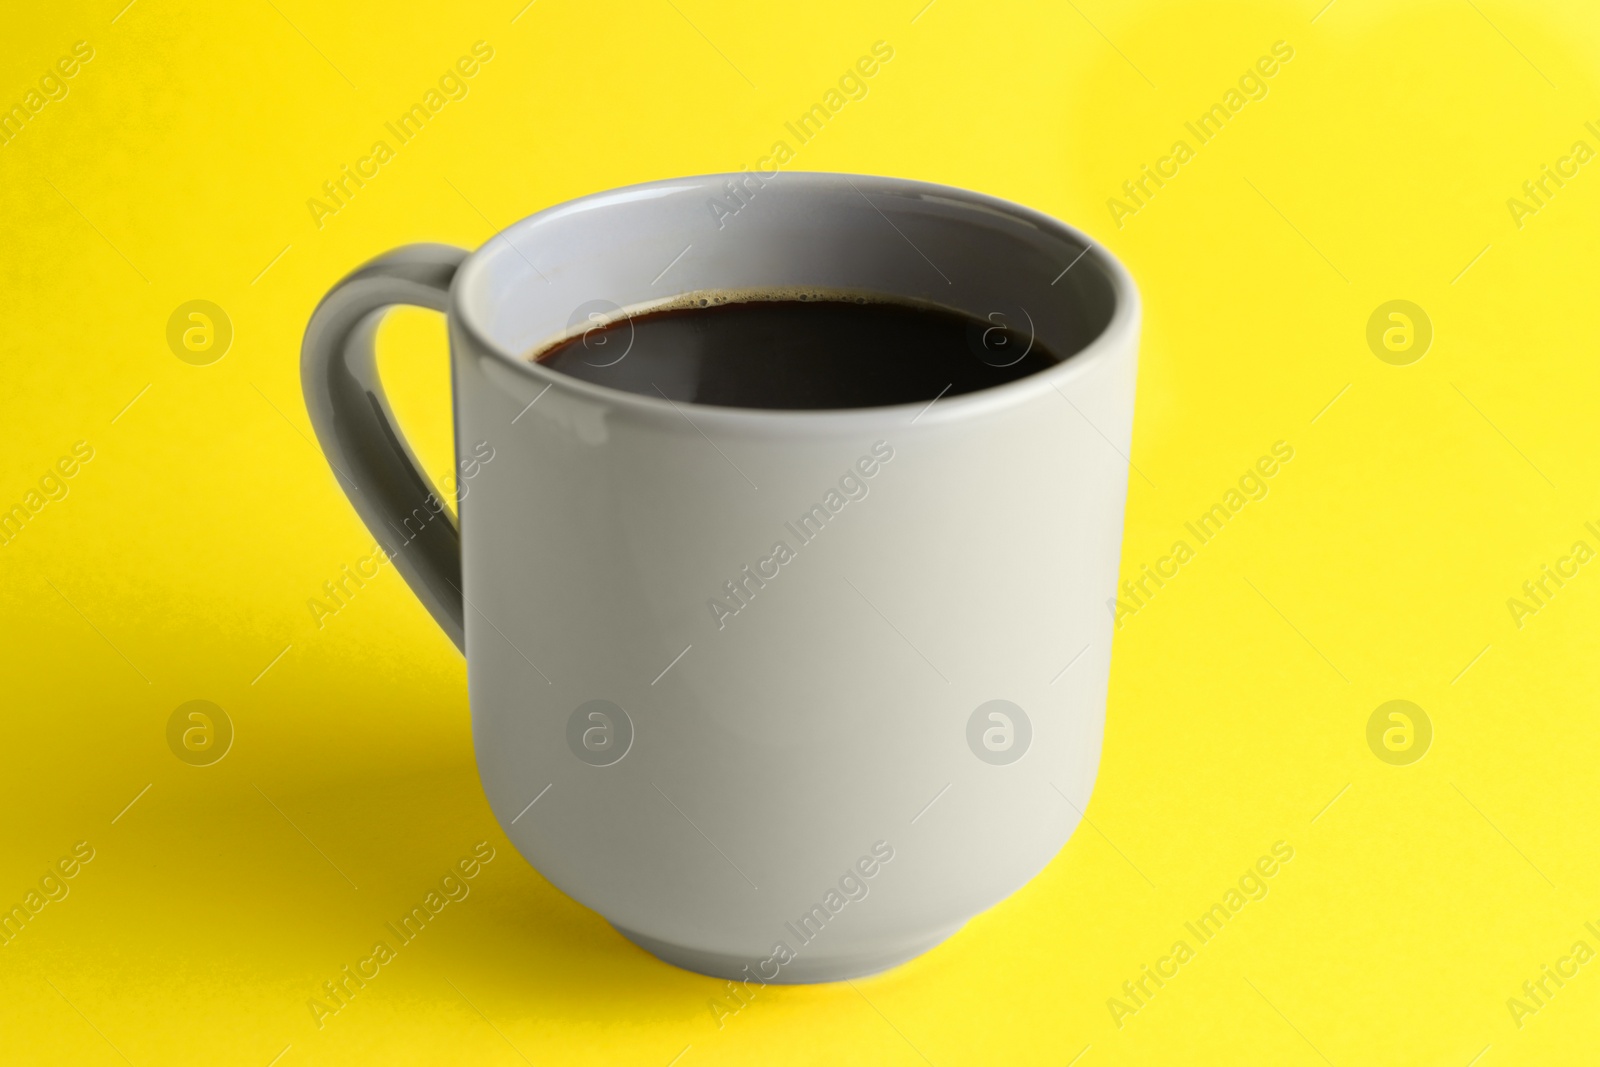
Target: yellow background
point(179, 566)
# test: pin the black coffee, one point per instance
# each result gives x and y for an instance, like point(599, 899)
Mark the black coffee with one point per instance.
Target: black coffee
point(814, 353)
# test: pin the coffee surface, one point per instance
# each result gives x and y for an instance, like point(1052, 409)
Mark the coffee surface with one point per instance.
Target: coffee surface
point(802, 354)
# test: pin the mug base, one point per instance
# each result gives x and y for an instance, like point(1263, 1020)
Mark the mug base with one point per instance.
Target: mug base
point(803, 969)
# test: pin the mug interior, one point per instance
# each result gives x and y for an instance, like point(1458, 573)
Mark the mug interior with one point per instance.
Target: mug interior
point(547, 277)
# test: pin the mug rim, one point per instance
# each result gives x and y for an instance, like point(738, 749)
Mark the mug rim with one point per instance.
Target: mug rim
point(1119, 333)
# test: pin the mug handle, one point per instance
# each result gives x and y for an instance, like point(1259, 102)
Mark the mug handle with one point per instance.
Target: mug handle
point(358, 432)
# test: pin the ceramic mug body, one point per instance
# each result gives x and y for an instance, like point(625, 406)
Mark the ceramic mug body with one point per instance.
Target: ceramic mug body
point(783, 695)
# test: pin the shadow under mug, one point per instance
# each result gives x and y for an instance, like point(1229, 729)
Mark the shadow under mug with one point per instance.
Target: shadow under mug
point(785, 696)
